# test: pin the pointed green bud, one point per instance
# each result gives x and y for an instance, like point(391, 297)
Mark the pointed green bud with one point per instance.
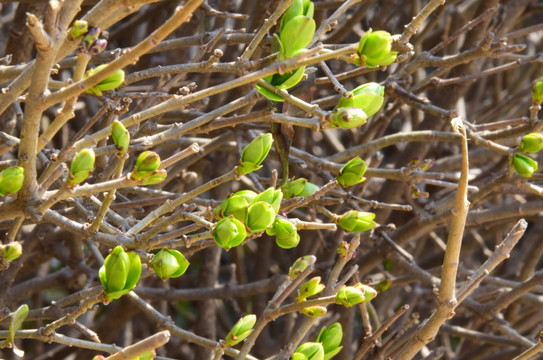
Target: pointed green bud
point(299, 187)
point(121, 137)
point(16, 322)
point(120, 272)
point(254, 153)
point(286, 234)
point(11, 180)
point(156, 178)
point(309, 188)
point(531, 143)
point(369, 97)
point(298, 356)
point(537, 95)
point(330, 338)
point(147, 163)
point(351, 295)
point(314, 311)
point(300, 265)
point(296, 34)
point(311, 351)
point(229, 232)
point(375, 49)
point(523, 165)
point(282, 81)
point(169, 263)
point(347, 117)
point(79, 27)
point(11, 251)
point(272, 197)
point(296, 8)
point(81, 167)
point(352, 173)
point(260, 216)
point(111, 82)
point(357, 221)
point(310, 288)
point(241, 330)
point(236, 204)
point(383, 285)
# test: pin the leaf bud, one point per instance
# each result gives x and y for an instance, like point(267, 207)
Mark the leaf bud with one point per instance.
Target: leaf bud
point(272, 197)
point(311, 351)
point(310, 288)
point(537, 94)
point(88, 40)
point(531, 143)
point(11, 251)
point(254, 153)
point(241, 330)
point(314, 311)
point(120, 272)
point(300, 265)
point(98, 46)
point(369, 97)
point(286, 234)
point(330, 338)
point(299, 187)
point(236, 204)
point(147, 163)
point(81, 167)
point(523, 165)
point(297, 8)
point(343, 249)
point(347, 117)
point(260, 216)
point(78, 28)
point(351, 295)
point(121, 137)
point(296, 34)
point(169, 263)
point(156, 178)
point(356, 221)
point(375, 49)
point(229, 232)
point(111, 82)
point(352, 173)
point(11, 180)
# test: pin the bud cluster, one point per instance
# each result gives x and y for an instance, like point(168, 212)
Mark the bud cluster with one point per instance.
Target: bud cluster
point(375, 49)
point(91, 43)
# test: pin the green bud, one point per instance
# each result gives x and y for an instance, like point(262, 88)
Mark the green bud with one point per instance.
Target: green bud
point(299, 187)
point(272, 197)
point(357, 221)
point(241, 330)
point(352, 172)
point(229, 232)
point(296, 8)
point(120, 272)
point(343, 249)
point(537, 95)
point(531, 143)
point(11, 251)
point(146, 165)
point(374, 49)
point(311, 351)
point(111, 82)
point(260, 216)
point(298, 356)
point(79, 27)
point(11, 180)
point(314, 311)
point(149, 355)
point(347, 117)
point(99, 357)
point(169, 263)
point(300, 265)
point(82, 165)
point(254, 153)
point(523, 165)
point(310, 288)
point(121, 137)
point(330, 338)
point(236, 204)
point(351, 295)
point(383, 285)
point(369, 97)
point(156, 178)
point(296, 34)
point(286, 234)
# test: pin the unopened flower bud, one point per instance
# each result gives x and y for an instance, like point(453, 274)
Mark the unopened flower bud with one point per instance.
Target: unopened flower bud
point(357, 221)
point(169, 263)
point(241, 330)
point(272, 197)
point(11, 251)
point(147, 163)
point(81, 167)
point(347, 117)
point(330, 338)
point(311, 351)
point(236, 205)
point(300, 265)
point(229, 232)
point(531, 143)
point(523, 165)
point(369, 97)
point(260, 216)
point(78, 28)
point(351, 295)
point(310, 288)
point(296, 34)
point(286, 234)
point(88, 40)
point(11, 180)
point(297, 8)
point(374, 49)
point(254, 153)
point(98, 46)
point(299, 187)
point(156, 178)
point(111, 82)
point(121, 137)
point(537, 94)
point(352, 172)
point(314, 311)
point(120, 272)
